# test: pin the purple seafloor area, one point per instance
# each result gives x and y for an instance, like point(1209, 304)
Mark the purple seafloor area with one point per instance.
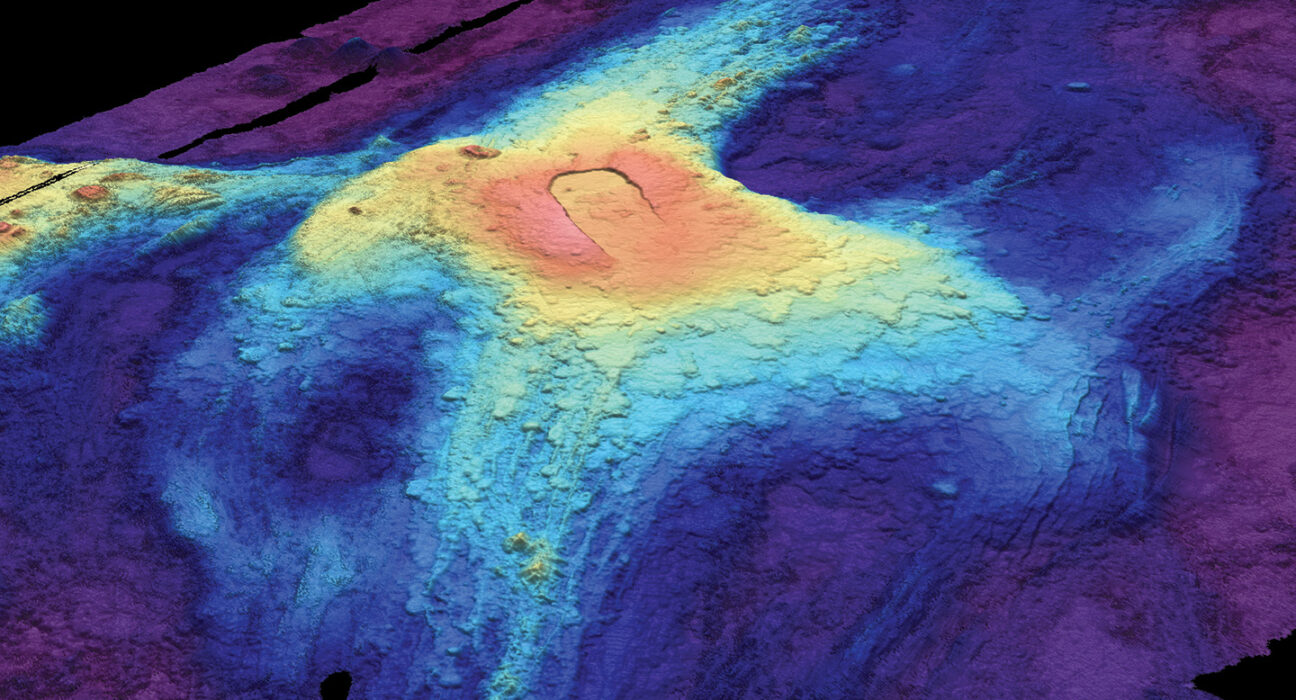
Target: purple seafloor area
point(462, 70)
point(753, 576)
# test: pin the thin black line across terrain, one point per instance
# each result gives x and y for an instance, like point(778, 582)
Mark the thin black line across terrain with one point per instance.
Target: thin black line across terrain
point(311, 99)
point(346, 83)
point(46, 183)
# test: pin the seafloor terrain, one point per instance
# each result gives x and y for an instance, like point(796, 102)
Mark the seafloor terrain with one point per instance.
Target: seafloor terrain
point(662, 349)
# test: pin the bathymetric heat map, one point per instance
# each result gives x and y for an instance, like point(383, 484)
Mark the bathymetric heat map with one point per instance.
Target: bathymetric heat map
point(744, 349)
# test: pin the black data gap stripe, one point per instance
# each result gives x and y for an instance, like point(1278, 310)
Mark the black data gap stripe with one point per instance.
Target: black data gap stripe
point(297, 106)
point(46, 183)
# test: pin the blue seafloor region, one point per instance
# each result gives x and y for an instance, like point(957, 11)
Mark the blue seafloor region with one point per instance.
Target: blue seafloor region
point(200, 407)
point(1060, 170)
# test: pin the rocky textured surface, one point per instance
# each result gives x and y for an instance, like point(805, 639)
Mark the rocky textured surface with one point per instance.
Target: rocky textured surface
point(742, 349)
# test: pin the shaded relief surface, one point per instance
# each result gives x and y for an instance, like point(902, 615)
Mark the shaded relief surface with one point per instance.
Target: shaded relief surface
point(744, 349)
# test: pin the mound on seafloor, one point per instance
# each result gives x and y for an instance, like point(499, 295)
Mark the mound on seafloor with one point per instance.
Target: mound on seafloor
point(743, 349)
